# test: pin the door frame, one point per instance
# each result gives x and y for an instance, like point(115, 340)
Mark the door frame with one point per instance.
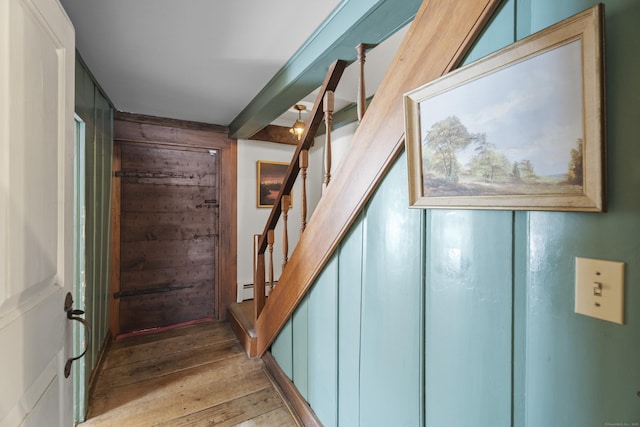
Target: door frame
point(79, 266)
point(155, 131)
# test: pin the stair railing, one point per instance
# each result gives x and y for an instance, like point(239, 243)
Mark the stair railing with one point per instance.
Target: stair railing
point(322, 109)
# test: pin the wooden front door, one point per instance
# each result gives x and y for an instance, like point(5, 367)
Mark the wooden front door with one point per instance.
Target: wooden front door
point(168, 235)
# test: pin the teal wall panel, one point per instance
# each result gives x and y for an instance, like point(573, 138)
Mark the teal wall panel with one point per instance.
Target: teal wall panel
point(468, 318)
point(323, 345)
point(96, 112)
point(300, 347)
point(583, 371)
point(391, 345)
point(498, 34)
point(349, 326)
point(480, 328)
point(282, 349)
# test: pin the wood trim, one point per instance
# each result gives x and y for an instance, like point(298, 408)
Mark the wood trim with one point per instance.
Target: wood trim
point(441, 34)
point(293, 397)
point(140, 129)
point(93, 378)
point(277, 134)
point(172, 123)
point(114, 282)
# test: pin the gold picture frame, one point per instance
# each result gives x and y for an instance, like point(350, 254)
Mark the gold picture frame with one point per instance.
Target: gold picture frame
point(270, 177)
point(521, 129)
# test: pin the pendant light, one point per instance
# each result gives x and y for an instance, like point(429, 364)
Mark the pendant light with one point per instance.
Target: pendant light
point(298, 127)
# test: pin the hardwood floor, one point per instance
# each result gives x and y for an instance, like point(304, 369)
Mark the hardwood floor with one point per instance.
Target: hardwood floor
point(192, 376)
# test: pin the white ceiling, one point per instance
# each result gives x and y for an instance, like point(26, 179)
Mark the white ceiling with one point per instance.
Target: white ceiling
point(200, 60)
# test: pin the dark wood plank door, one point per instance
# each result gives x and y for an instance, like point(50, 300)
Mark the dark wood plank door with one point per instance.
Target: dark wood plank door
point(169, 236)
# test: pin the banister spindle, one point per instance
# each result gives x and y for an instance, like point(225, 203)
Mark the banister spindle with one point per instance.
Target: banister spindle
point(270, 240)
point(258, 278)
point(328, 111)
point(362, 94)
point(285, 236)
point(304, 164)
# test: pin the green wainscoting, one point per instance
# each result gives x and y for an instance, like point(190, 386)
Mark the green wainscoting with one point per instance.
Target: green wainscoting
point(468, 317)
point(465, 318)
point(92, 289)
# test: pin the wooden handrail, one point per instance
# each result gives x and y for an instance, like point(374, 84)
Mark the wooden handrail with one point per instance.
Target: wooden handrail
point(441, 34)
point(330, 83)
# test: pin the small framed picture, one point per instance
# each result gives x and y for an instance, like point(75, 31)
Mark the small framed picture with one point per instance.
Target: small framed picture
point(270, 179)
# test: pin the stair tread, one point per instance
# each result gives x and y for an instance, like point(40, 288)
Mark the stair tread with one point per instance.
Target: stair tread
point(243, 313)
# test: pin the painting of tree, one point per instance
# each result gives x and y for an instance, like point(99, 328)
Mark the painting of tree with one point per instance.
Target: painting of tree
point(445, 138)
point(574, 176)
point(521, 128)
point(474, 139)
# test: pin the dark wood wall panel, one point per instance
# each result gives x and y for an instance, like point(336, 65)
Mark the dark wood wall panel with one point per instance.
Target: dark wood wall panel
point(156, 182)
point(166, 198)
point(169, 226)
point(173, 167)
point(154, 254)
point(178, 221)
point(159, 276)
point(166, 308)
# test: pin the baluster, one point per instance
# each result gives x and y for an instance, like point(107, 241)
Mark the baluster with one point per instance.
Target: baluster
point(285, 237)
point(328, 111)
point(270, 240)
point(304, 164)
point(362, 94)
point(258, 277)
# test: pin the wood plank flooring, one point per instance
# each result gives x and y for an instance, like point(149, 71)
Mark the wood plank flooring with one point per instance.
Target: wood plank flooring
point(192, 376)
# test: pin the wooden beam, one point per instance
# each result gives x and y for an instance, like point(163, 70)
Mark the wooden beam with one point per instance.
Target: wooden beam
point(277, 134)
point(441, 34)
point(353, 22)
point(163, 121)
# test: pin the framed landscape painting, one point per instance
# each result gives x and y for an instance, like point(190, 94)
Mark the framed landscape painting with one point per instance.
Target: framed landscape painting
point(270, 179)
point(522, 128)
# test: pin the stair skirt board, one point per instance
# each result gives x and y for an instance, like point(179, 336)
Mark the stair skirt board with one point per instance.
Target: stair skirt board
point(291, 394)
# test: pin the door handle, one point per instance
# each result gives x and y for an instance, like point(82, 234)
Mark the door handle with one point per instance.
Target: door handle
point(73, 315)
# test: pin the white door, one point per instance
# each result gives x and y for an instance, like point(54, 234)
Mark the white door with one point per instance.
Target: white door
point(37, 50)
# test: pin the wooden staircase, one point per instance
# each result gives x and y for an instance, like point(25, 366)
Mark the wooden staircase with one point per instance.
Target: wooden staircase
point(442, 33)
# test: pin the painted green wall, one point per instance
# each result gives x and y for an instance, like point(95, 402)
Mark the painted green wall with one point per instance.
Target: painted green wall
point(95, 110)
point(452, 317)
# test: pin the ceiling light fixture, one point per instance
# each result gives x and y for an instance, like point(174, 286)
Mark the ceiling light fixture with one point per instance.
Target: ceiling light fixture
point(298, 127)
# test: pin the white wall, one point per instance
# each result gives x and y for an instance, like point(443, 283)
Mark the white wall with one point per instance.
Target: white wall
point(251, 219)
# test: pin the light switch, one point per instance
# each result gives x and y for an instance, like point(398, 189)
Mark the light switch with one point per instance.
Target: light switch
point(600, 289)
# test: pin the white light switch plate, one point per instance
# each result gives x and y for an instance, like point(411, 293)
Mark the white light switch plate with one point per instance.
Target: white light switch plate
point(600, 289)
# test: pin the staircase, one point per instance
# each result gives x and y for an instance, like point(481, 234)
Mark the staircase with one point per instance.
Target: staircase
point(442, 33)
